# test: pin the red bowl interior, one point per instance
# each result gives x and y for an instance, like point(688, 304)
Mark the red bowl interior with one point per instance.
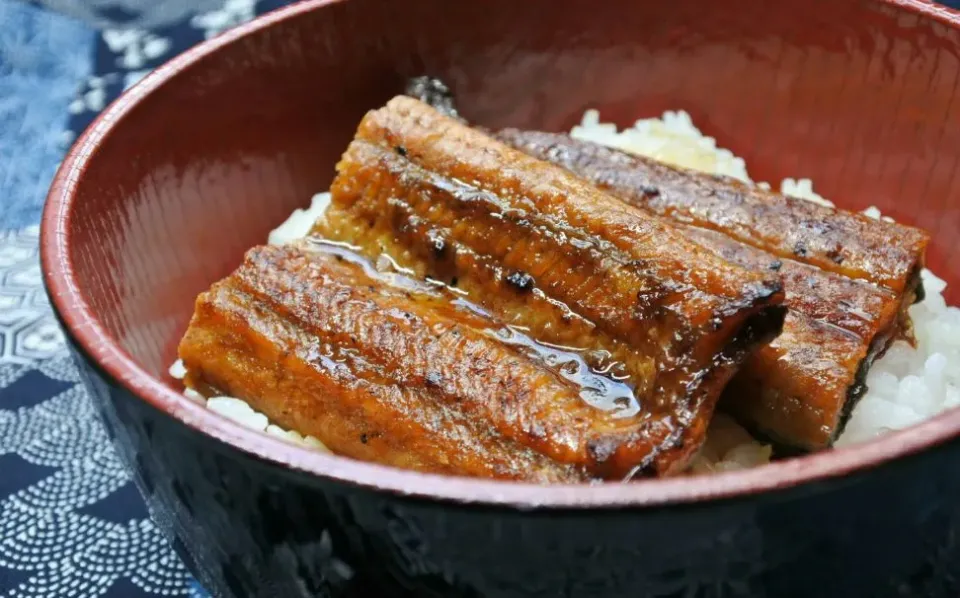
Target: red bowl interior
point(193, 166)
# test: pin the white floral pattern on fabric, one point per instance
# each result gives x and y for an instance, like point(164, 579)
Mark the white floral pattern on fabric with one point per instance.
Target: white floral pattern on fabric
point(231, 14)
point(37, 82)
point(50, 534)
point(71, 523)
point(130, 13)
point(135, 47)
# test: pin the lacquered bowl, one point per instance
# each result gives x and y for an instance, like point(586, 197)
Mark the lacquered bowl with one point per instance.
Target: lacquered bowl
point(162, 195)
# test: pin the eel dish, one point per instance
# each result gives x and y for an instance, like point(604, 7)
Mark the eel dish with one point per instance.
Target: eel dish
point(388, 369)
point(598, 288)
point(524, 305)
point(545, 251)
point(849, 280)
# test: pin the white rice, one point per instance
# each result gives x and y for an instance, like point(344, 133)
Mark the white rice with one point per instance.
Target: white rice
point(299, 223)
point(906, 386)
point(242, 413)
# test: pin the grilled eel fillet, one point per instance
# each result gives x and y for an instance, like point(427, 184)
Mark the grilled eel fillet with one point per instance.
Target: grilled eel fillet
point(849, 280)
point(545, 251)
point(386, 371)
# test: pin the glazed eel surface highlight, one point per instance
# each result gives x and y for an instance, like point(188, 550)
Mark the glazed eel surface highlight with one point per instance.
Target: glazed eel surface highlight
point(849, 280)
point(551, 255)
point(386, 369)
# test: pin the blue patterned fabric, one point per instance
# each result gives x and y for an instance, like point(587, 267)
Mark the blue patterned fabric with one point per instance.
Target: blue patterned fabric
point(37, 83)
point(71, 523)
point(124, 55)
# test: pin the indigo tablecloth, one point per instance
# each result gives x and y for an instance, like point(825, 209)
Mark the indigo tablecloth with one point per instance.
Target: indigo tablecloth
point(71, 521)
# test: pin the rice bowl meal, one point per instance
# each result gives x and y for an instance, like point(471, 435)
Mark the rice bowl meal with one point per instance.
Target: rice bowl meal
point(501, 338)
point(603, 305)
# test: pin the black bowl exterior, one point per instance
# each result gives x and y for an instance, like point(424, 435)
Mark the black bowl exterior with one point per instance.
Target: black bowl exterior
point(250, 528)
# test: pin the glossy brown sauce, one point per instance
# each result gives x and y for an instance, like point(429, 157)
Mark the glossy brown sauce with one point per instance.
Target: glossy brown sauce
point(566, 264)
point(600, 388)
point(848, 280)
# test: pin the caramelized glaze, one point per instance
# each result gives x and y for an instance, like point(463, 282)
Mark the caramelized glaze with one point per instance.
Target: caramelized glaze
point(848, 280)
point(572, 266)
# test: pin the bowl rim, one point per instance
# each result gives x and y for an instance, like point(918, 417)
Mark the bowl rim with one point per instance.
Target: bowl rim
point(96, 345)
